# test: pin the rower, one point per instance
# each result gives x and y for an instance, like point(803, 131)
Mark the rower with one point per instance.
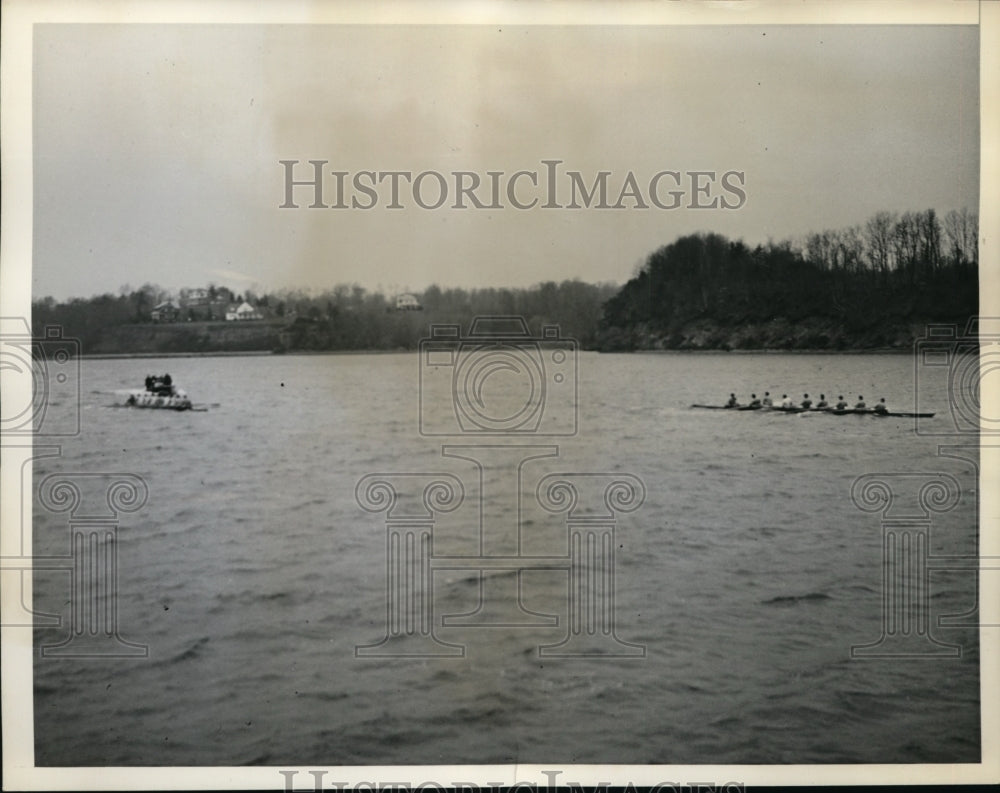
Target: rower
point(861, 403)
point(806, 401)
point(754, 402)
point(732, 401)
point(766, 401)
point(822, 404)
point(786, 402)
point(841, 403)
point(881, 407)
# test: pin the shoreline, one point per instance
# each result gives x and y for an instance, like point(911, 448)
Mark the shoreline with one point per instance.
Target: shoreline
point(261, 353)
point(97, 356)
point(778, 351)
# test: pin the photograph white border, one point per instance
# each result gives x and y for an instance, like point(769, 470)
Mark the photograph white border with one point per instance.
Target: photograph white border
point(19, 16)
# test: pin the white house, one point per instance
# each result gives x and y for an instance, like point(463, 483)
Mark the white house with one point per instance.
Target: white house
point(241, 312)
point(407, 302)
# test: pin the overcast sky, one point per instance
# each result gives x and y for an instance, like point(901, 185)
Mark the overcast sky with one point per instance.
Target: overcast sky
point(157, 147)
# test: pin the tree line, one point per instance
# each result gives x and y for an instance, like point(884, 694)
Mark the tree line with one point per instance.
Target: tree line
point(345, 317)
point(894, 269)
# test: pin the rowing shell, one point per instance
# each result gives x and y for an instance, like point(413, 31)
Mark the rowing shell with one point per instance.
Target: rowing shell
point(752, 407)
point(889, 413)
point(900, 414)
point(830, 411)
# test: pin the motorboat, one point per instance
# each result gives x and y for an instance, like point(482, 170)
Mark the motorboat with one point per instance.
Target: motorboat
point(159, 393)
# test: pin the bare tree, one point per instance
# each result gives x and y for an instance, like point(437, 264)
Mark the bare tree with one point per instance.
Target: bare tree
point(906, 244)
point(878, 239)
point(821, 249)
point(961, 228)
point(929, 234)
point(849, 248)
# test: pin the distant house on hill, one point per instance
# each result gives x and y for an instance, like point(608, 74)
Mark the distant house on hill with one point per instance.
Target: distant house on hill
point(408, 302)
point(167, 311)
point(194, 297)
point(244, 311)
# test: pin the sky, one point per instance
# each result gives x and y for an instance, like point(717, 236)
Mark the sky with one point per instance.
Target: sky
point(157, 147)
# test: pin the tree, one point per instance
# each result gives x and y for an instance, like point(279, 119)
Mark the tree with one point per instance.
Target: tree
point(906, 245)
point(929, 240)
point(961, 229)
point(878, 241)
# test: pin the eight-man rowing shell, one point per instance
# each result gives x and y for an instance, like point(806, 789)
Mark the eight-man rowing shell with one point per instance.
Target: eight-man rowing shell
point(831, 411)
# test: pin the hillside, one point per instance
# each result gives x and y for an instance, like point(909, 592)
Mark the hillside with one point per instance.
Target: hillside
point(706, 292)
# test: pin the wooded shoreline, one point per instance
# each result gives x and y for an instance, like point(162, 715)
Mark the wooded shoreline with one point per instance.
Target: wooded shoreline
point(870, 288)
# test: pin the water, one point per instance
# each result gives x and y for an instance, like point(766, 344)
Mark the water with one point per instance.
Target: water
point(252, 574)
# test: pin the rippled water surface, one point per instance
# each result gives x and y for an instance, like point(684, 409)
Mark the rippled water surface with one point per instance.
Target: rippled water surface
point(252, 574)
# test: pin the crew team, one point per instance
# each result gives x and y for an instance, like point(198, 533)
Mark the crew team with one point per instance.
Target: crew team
point(806, 404)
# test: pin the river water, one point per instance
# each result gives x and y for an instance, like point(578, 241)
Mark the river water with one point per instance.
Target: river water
point(741, 583)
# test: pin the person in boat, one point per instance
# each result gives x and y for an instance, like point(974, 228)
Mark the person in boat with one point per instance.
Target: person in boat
point(167, 380)
point(766, 401)
point(754, 401)
point(822, 404)
point(861, 403)
point(732, 403)
point(841, 403)
point(881, 407)
point(162, 386)
point(786, 403)
point(806, 402)
point(150, 382)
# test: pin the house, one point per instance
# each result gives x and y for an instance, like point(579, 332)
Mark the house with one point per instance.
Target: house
point(244, 311)
point(167, 311)
point(407, 302)
point(194, 297)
